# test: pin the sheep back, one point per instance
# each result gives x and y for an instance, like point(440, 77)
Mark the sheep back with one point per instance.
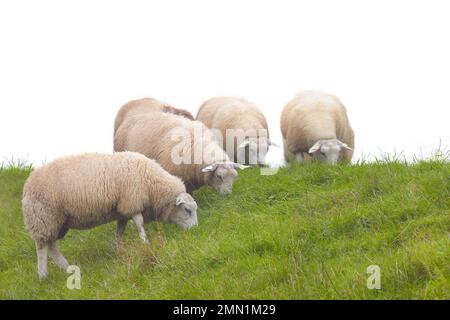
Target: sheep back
point(146, 105)
point(311, 116)
point(222, 113)
point(153, 136)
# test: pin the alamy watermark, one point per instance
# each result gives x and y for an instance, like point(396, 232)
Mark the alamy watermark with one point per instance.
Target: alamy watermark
point(74, 280)
point(374, 279)
point(199, 146)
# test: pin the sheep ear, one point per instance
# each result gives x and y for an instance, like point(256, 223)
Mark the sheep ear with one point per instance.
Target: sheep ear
point(179, 200)
point(244, 143)
point(210, 168)
point(273, 144)
point(344, 145)
point(315, 147)
point(240, 166)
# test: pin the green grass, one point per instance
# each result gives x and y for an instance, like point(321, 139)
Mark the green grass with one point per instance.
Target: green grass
point(308, 232)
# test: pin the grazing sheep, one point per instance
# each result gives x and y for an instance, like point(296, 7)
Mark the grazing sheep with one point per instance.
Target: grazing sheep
point(145, 105)
point(197, 159)
point(315, 125)
point(242, 117)
point(84, 191)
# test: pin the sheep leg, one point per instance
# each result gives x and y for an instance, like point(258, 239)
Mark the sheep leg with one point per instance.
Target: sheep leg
point(121, 225)
point(299, 157)
point(41, 251)
point(288, 156)
point(57, 256)
point(138, 220)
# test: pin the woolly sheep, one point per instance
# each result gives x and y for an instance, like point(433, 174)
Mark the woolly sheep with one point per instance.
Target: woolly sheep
point(145, 105)
point(243, 117)
point(315, 125)
point(83, 191)
point(197, 158)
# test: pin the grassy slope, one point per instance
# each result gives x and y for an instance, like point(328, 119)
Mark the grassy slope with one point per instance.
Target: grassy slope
point(307, 232)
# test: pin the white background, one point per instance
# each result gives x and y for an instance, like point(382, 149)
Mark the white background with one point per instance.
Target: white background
point(66, 67)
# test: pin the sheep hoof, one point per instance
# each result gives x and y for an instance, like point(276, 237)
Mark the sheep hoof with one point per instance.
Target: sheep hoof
point(42, 275)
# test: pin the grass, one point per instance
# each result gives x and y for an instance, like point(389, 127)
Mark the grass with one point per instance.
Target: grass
point(308, 232)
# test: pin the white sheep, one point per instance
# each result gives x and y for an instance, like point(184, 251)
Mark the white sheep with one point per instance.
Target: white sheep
point(145, 105)
point(248, 139)
point(183, 147)
point(315, 125)
point(83, 191)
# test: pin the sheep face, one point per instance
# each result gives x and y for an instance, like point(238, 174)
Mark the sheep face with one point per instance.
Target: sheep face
point(328, 150)
point(221, 176)
point(184, 212)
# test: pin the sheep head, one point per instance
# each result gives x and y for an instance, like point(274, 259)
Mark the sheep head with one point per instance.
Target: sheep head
point(184, 211)
point(328, 150)
point(254, 150)
point(221, 175)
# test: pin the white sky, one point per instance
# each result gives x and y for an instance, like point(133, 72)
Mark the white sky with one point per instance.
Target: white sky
point(66, 67)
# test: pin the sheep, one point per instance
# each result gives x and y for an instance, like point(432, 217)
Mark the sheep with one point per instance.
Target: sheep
point(84, 191)
point(197, 159)
point(314, 125)
point(146, 105)
point(246, 126)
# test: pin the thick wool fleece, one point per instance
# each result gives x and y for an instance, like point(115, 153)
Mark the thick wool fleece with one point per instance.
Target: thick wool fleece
point(87, 190)
point(146, 105)
point(224, 113)
point(313, 116)
point(152, 135)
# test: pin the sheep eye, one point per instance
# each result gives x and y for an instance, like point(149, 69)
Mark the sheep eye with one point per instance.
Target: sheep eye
point(220, 178)
point(188, 211)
